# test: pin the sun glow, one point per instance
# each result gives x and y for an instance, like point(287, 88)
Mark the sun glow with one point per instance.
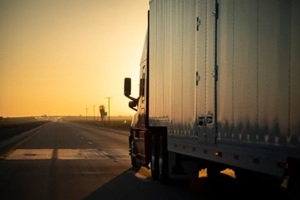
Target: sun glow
point(60, 58)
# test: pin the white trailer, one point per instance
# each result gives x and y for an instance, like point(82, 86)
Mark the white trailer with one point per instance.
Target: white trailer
point(219, 87)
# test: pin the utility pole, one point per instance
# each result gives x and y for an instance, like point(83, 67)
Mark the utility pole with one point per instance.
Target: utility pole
point(108, 98)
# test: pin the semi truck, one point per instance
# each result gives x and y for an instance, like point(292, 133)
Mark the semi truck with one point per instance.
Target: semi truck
point(219, 88)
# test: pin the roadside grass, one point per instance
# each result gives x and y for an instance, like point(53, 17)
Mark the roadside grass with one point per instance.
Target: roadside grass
point(8, 130)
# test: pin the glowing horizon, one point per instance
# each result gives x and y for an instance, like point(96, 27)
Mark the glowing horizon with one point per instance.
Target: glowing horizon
point(61, 57)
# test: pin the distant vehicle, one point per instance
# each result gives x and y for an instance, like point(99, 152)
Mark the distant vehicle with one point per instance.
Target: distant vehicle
point(219, 88)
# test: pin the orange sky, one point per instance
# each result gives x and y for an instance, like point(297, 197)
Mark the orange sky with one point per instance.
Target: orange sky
point(60, 57)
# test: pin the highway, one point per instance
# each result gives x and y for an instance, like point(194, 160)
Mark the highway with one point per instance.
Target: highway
point(63, 160)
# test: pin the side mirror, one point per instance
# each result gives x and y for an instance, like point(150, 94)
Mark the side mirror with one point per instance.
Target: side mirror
point(127, 87)
point(127, 92)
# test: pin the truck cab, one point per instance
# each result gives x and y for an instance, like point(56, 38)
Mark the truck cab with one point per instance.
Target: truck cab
point(139, 135)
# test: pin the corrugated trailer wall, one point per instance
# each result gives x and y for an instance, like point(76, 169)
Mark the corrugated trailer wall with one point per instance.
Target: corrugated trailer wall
point(258, 87)
point(295, 74)
point(258, 69)
point(159, 73)
point(257, 91)
point(172, 61)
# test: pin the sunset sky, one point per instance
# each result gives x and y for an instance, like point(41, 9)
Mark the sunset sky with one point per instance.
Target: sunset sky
point(59, 57)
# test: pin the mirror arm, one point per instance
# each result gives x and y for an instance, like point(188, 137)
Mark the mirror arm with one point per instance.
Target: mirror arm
point(131, 98)
point(132, 104)
point(133, 108)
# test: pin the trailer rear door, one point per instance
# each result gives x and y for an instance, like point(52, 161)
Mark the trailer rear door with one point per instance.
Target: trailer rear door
point(206, 69)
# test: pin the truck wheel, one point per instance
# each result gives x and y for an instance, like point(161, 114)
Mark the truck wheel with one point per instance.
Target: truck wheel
point(213, 171)
point(293, 190)
point(154, 158)
point(131, 149)
point(293, 185)
point(245, 177)
point(133, 162)
point(163, 160)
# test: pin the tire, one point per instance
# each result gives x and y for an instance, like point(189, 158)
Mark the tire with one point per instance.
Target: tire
point(213, 172)
point(131, 150)
point(163, 160)
point(293, 185)
point(245, 176)
point(133, 162)
point(154, 158)
point(293, 190)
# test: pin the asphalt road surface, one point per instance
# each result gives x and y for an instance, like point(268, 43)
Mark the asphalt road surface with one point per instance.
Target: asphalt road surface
point(68, 161)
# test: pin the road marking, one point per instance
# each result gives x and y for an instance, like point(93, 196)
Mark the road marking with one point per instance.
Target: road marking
point(66, 154)
point(116, 154)
point(76, 154)
point(32, 133)
point(30, 154)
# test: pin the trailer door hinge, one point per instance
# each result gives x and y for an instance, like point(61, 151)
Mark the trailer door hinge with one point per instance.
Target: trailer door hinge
point(198, 23)
point(216, 11)
point(215, 73)
point(205, 120)
point(197, 78)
